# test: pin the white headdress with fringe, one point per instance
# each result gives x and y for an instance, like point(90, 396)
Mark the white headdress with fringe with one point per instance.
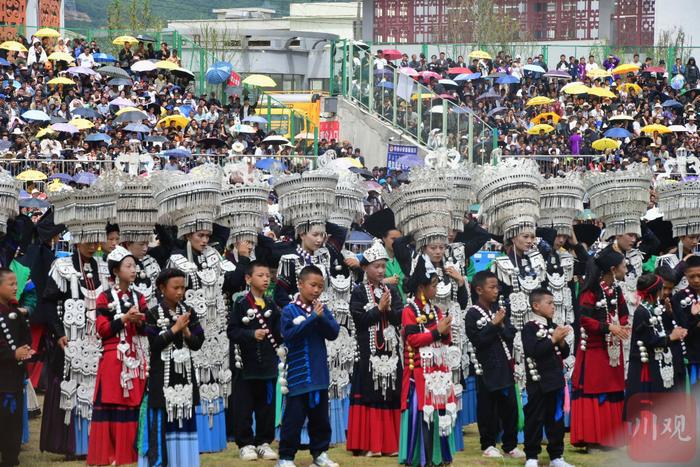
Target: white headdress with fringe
point(244, 206)
point(620, 198)
point(561, 200)
point(307, 199)
point(457, 174)
point(349, 193)
point(137, 212)
point(9, 198)
point(680, 204)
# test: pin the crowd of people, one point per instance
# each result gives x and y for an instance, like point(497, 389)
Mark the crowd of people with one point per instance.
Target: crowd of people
point(498, 90)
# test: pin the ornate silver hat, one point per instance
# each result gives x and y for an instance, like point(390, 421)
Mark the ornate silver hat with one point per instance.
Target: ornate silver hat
point(86, 212)
point(189, 201)
point(375, 252)
point(423, 207)
point(307, 199)
point(561, 200)
point(349, 193)
point(680, 204)
point(620, 198)
point(457, 174)
point(509, 194)
point(244, 207)
point(136, 209)
point(9, 198)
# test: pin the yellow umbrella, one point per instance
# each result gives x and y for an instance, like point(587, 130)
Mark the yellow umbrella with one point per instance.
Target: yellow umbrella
point(60, 57)
point(544, 116)
point(602, 92)
point(539, 100)
point(605, 143)
point(632, 87)
point(48, 131)
point(480, 54)
point(575, 88)
point(82, 123)
point(47, 32)
point(425, 95)
point(180, 121)
point(349, 162)
point(302, 135)
point(260, 81)
point(31, 175)
point(121, 40)
point(127, 109)
point(656, 128)
point(13, 46)
point(598, 73)
point(624, 69)
point(537, 129)
point(61, 80)
point(166, 65)
point(55, 185)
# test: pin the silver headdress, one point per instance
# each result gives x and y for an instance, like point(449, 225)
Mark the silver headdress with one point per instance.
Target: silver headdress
point(244, 207)
point(189, 201)
point(86, 212)
point(680, 204)
point(456, 174)
point(509, 194)
point(375, 252)
point(423, 207)
point(307, 199)
point(136, 209)
point(9, 199)
point(118, 254)
point(620, 198)
point(349, 194)
point(560, 202)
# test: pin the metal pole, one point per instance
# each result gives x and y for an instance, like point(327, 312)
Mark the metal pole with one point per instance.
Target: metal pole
point(396, 79)
point(444, 121)
point(471, 137)
point(419, 124)
point(269, 113)
point(315, 145)
point(371, 83)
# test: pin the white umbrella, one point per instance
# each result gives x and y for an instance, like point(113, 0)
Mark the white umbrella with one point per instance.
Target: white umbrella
point(678, 128)
point(276, 139)
point(241, 128)
point(143, 66)
point(448, 82)
point(534, 68)
point(436, 109)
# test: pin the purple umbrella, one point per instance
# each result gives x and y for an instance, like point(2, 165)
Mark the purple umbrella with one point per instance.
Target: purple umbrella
point(65, 178)
point(81, 70)
point(557, 74)
point(122, 102)
point(64, 127)
point(86, 178)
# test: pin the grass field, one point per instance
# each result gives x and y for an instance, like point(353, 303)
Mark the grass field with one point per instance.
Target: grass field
point(471, 455)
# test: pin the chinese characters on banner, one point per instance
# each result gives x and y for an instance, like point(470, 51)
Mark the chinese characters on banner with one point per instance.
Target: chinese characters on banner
point(234, 79)
point(395, 152)
point(329, 130)
point(663, 428)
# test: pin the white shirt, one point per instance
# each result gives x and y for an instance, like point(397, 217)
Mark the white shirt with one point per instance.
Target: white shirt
point(86, 60)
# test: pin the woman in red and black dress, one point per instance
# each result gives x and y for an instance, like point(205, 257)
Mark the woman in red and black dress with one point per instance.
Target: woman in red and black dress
point(121, 375)
point(598, 381)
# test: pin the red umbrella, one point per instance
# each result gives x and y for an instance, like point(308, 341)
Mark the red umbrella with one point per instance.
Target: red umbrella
point(408, 71)
point(426, 75)
point(654, 69)
point(392, 54)
point(458, 71)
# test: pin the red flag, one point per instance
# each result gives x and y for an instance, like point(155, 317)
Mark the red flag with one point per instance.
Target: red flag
point(234, 79)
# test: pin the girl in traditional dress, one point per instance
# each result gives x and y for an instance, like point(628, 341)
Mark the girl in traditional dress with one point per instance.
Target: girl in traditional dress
point(168, 428)
point(598, 381)
point(121, 376)
point(373, 424)
point(428, 401)
point(656, 362)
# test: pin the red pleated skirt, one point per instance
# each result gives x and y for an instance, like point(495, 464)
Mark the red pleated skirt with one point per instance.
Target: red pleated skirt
point(593, 422)
point(375, 430)
point(113, 432)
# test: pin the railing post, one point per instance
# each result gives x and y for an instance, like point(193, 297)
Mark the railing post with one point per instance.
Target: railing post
point(471, 137)
point(394, 106)
point(349, 69)
point(371, 84)
point(269, 113)
point(315, 146)
point(445, 109)
point(419, 107)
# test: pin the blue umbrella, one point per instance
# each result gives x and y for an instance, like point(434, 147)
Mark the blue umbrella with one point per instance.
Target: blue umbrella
point(224, 66)
point(217, 75)
point(467, 77)
point(385, 72)
point(86, 178)
point(15, 84)
point(255, 119)
point(33, 203)
point(4, 62)
point(617, 132)
point(24, 195)
point(185, 110)
point(155, 139)
point(98, 137)
point(85, 112)
point(120, 82)
point(137, 128)
point(672, 103)
point(104, 58)
point(179, 152)
point(65, 178)
point(410, 161)
point(269, 164)
point(496, 110)
point(489, 95)
point(509, 79)
point(37, 115)
point(386, 85)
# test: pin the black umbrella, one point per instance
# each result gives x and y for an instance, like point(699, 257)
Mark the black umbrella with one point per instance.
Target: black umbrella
point(57, 119)
point(362, 172)
point(206, 142)
point(145, 38)
point(120, 82)
point(84, 112)
point(156, 139)
point(489, 95)
point(113, 72)
point(497, 110)
point(33, 203)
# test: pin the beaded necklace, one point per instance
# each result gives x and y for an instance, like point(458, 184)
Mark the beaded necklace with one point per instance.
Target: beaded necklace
point(662, 355)
point(178, 397)
point(383, 367)
point(611, 317)
point(132, 356)
point(486, 318)
point(691, 298)
point(8, 335)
